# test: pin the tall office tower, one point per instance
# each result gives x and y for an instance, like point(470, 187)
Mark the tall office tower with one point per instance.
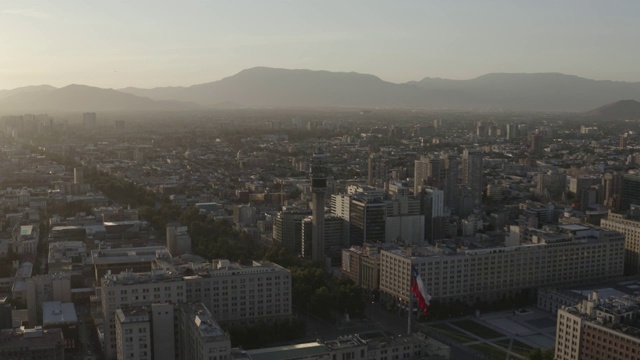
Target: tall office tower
point(482, 130)
point(78, 176)
point(318, 190)
point(472, 174)
point(89, 119)
point(432, 208)
point(612, 184)
point(512, 131)
point(287, 229)
point(333, 235)
point(450, 182)
point(630, 191)
point(428, 171)
point(535, 143)
point(366, 219)
point(624, 140)
point(420, 173)
point(403, 218)
point(378, 168)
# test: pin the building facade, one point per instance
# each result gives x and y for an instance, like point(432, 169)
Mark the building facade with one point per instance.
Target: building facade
point(562, 256)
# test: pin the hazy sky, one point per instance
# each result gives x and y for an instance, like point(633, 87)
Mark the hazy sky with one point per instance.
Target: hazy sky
point(162, 43)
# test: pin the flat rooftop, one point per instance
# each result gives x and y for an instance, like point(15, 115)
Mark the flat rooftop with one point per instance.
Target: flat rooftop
point(55, 312)
point(298, 351)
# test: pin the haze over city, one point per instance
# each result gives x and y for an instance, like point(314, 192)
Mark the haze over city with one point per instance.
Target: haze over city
point(163, 43)
point(363, 180)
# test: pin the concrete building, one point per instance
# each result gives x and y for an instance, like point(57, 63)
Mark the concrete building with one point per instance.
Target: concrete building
point(598, 329)
point(115, 261)
point(66, 256)
point(378, 170)
point(367, 346)
point(366, 219)
point(34, 343)
point(557, 256)
point(57, 315)
point(201, 336)
point(631, 230)
point(139, 289)
point(237, 294)
point(630, 192)
point(78, 175)
point(404, 221)
point(178, 240)
point(133, 334)
point(318, 193)
point(472, 174)
point(244, 215)
point(362, 264)
point(334, 235)
point(25, 239)
point(287, 229)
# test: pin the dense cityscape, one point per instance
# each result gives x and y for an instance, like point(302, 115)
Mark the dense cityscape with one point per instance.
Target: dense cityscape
point(319, 180)
point(291, 234)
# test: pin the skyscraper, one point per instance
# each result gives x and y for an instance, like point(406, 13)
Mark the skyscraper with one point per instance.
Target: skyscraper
point(318, 189)
point(89, 119)
point(472, 173)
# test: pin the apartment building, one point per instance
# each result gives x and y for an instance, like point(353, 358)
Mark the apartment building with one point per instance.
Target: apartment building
point(557, 256)
point(599, 329)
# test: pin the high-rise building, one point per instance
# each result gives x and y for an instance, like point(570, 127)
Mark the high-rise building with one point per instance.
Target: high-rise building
point(78, 176)
point(404, 221)
point(535, 144)
point(366, 219)
point(630, 191)
point(178, 240)
point(318, 192)
point(287, 228)
point(450, 182)
point(428, 171)
point(612, 183)
point(472, 175)
point(89, 119)
point(512, 131)
point(378, 170)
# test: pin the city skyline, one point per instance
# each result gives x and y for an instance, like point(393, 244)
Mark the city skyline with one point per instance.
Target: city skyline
point(148, 44)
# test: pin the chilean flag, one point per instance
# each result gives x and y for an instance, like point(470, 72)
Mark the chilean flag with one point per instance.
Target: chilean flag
point(417, 288)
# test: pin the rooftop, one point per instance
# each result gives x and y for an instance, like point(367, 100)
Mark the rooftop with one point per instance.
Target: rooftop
point(55, 312)
point(297, 351)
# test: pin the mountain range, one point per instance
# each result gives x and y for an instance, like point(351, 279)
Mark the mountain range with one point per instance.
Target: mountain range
point(619, 110)
point(277, 88)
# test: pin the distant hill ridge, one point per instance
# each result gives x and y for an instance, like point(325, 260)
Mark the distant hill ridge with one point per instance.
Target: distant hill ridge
point(619, 110)
point(263, 87)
